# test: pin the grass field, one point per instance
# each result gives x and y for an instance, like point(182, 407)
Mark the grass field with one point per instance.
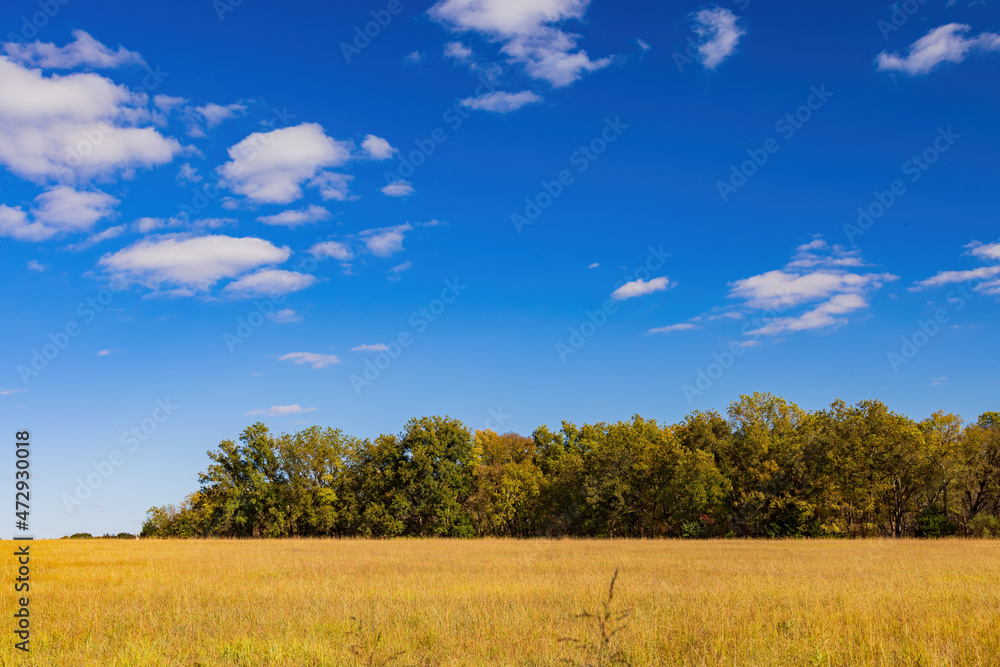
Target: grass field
point(495, 602)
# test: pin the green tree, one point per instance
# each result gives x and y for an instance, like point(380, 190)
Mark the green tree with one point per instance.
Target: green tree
point(506, 484)
point(437, 476)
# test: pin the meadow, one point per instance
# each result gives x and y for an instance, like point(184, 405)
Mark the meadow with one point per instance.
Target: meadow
point(316, 602)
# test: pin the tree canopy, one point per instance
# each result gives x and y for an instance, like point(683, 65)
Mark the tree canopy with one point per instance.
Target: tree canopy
point(766, 469)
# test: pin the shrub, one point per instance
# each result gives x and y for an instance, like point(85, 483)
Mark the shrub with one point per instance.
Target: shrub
point(933, 522)
point(984, 525)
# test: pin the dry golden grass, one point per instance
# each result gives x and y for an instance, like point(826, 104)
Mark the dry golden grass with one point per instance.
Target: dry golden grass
point(495, 602)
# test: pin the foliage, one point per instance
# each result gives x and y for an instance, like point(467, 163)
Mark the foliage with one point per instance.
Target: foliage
point(985, 525)
point(767, 469)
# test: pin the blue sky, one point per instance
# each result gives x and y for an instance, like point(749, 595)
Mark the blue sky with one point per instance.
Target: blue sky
point(514, 213)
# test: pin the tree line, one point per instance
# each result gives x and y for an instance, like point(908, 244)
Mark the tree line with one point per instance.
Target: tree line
point(766, 469)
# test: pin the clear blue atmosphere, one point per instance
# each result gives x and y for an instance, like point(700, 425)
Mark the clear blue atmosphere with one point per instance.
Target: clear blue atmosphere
point(514, 212)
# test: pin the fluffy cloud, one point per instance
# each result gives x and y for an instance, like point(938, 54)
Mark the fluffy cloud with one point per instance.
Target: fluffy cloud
point(74, 127)
point(333, 249)
point(333, 186)
point(377, 148)
point(192, 263)
point(816, 276)
point(782, 288)
point(269, 282)
point(398, 189)
point(641, 287)
point(947, 43)
point(457, 51)
point(526, 28)
point(71, 210)
point(60, 210)
point(14, 223)
point(399, 268)
point(85, 50)
point(214, 114)
point(209, 116)
point(304, 216)
point(501, 102)
point(271, 167)
point(317, 360)
point(280, 410)
point(188, 174)
point(385, 241)
point(985, 251)
point(719, 32)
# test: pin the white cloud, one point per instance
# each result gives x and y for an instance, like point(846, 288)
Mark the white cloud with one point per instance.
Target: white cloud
point(8, 392)
point(317, 360)
point(270, 167)
point(104, 353)
point(303, 216)
point(992, 288)
point(377, 347)
point(35, 265)
point(683, 326)
point(985, 251)
point(74, 127)
point(594, 265)
point(106, 235)
point(188, 174)
point(333, 186)
point(385, 241)
point(166, 103)
point(214, 114)
point(398, 189)
point(949, 277)
point(333, 249)
point(786, 289)
point(643, 44)
point(377, 147)
point(816, 275)
point(413, 57)
point(208, 116)
point(987, 276)
point(719, 32)
point(66, 209)
point(501, 102)
point(280, 410)
point(14, 223)
point(84, 50)
point(457, 51)
point(285, 316)
point(146, 224)
point(946, 43)
point(823, 315)
point(58, 211)
point(399, 268)
point(193, 263)
point(269, 282)
point(641, 287)
point(526, 28)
